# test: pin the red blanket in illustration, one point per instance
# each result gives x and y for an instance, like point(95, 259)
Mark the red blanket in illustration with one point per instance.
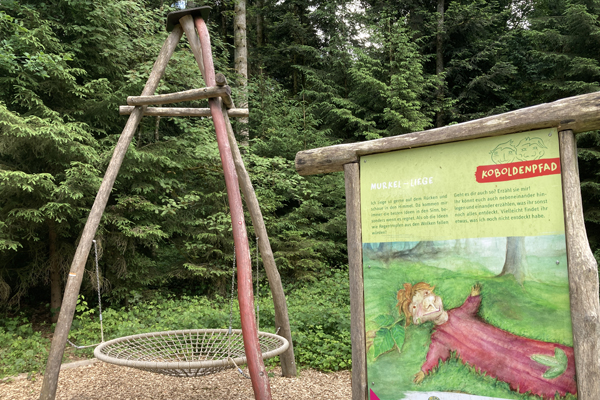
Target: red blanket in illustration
point(527, 365)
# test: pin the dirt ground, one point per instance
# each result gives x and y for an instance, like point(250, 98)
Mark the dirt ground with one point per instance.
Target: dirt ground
point(106, 381)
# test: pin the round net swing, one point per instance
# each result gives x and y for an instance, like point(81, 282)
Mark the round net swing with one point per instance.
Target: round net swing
point(186, 353)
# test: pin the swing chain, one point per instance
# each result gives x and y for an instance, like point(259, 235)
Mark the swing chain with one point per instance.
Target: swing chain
point(98, 283)
point(232, 290)
point(257, 289)
point(99, 303)
point(239, 370)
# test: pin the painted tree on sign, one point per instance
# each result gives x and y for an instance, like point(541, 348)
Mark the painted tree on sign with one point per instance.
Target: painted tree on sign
point(515, 263)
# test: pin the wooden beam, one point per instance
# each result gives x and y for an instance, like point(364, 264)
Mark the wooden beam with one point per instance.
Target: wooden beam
point(357, 303)
point(221, 80)
point(186, 95)
point(282, 321)
point(187, 23)
point(183, 112)
point(583, 276)
point(256, 366)
point(67, 310)
point(579, 114)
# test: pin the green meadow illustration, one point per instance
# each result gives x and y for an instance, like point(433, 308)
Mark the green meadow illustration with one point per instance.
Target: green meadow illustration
point(528, 307)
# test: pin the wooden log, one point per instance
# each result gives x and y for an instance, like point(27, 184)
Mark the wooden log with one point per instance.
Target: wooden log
point(583, 276)
point(256, 366)
point(67, 310)
point(227, 100)
point(282, 321)
point(183, 112)
point(221, 79)
point(187, 23)
point(355, 264)
point(186, 95)
point(579, 114)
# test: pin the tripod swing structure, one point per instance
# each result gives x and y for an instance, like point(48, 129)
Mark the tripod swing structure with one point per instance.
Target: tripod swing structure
point(190, 352)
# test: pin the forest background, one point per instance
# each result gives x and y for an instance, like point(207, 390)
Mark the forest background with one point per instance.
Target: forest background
point(321, 72)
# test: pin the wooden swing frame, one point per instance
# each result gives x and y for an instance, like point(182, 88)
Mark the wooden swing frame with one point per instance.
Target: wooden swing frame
point(192, 22)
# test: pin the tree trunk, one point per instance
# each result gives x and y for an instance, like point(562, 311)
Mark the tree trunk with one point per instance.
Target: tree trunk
point(260, 22)
point(241, 65)
point(156, 126)
point(439, 61)
point(295, 76)
point(55, 284)
point(515, 262)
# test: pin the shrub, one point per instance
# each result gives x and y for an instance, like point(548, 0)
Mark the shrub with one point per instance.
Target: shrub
point(21, 348)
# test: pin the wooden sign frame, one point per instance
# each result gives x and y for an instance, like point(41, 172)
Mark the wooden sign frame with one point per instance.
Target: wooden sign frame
point(584, 114)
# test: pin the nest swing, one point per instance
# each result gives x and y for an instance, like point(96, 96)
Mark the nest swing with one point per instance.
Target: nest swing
point(186, 353)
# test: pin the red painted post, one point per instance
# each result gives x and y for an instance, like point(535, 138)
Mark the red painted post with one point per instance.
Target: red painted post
point(260, 380)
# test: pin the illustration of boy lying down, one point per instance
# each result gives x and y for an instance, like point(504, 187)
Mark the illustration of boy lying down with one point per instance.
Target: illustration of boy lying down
point(527, 365)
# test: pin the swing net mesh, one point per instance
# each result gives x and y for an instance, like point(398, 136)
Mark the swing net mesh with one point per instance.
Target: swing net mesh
point(186, 353)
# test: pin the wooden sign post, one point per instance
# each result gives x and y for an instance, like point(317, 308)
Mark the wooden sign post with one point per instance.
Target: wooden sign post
point(458, 282)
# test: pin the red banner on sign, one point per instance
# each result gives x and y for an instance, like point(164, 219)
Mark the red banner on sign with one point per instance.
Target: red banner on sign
point(517, 170)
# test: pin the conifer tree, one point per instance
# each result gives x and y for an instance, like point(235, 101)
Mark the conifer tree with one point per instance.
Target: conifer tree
point(48, 162)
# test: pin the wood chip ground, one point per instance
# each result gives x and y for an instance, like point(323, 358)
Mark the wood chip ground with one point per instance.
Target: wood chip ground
point(106, 381)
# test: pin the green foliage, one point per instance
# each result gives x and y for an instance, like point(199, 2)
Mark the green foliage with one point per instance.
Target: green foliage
point(303, 215)
point(21, 348)
point(320, 323)
point(455, 375)
point(48, 178)
point(319, 318)
point(322, 74)
point(389, 333)
point(589, 174)
point(565, 57)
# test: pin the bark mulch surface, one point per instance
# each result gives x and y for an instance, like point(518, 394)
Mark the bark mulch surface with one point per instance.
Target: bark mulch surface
point(106, 381)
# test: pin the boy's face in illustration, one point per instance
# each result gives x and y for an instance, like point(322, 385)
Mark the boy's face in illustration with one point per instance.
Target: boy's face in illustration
point(504, 154)
point(426, 306)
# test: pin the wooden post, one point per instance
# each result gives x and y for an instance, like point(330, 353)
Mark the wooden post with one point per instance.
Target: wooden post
point(260, 379)
point(241, 65)
point(282, 321)
point(583, 276)
point(186, 95)
point(69, 302)
point(288, 362)
point(187, 22)
point(355, 265)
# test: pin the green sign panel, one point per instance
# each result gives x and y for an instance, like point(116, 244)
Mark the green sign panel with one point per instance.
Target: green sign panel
point(465, 271)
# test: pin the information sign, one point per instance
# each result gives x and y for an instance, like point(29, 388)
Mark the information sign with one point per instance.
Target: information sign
point(465, 271)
